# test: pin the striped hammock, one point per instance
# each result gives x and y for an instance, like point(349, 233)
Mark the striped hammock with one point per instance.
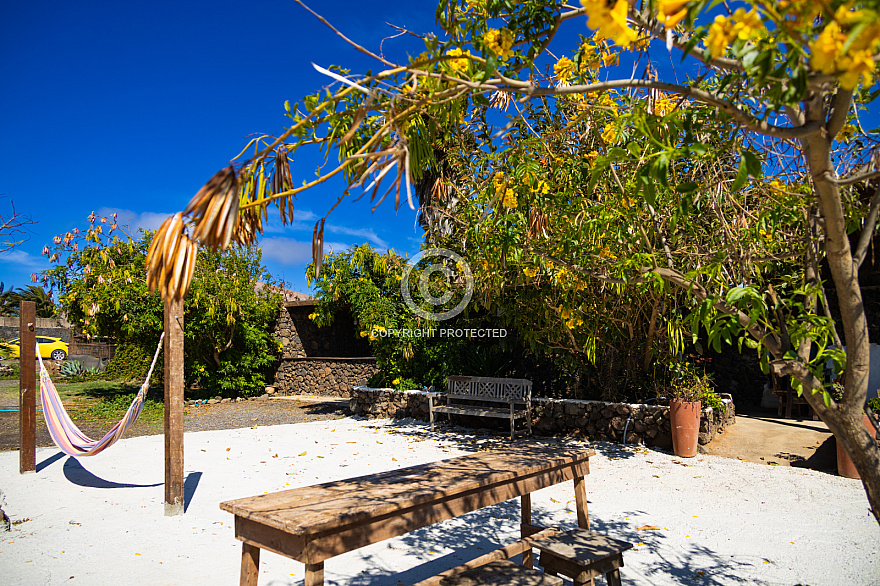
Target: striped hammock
point(64, 431)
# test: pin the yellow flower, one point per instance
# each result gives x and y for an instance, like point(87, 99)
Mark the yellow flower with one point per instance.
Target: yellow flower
point(606, 101)
point(609, 134)
point(509, 200)
point(777, 185)
point(498, 181)
point(663, 105)
point(609, 23)
point(719, 37)
point(591, 156)
point(743, 26)
point(499, 42)
point(855, 65)
point(530, 271)
point(542, 187)
point(830, 56)
point(564, 68)
point(312, 316)
point(606, 253)
point(395, 381)
point(672, 12)
point(462, 62)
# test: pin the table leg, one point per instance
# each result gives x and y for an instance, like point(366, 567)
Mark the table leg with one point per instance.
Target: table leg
point(580, 499)
point(526, 507)
point(250, 565)
point(314, 574)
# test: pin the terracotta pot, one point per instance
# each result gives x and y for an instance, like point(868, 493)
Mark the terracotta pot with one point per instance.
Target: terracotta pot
point(684, 418)
point(845, 466)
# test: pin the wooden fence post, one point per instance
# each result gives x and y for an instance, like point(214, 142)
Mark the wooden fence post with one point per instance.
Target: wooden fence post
point(27, 405)
point(174, 497)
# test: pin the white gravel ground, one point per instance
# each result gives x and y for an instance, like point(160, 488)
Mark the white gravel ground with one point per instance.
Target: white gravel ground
point(101, 520)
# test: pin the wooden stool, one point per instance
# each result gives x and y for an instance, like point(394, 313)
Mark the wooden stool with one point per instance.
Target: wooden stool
point(502, 573)
point(582, 555)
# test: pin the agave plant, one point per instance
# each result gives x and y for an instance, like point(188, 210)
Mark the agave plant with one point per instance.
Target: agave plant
point(72, 369)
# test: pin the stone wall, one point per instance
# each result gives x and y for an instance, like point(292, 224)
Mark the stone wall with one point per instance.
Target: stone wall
point(54, 328)
point(641, 424)
point(323, 376)
point(302, 338)
point(320, 361)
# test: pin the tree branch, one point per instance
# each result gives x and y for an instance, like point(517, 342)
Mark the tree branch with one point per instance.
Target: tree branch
point(867, 234)
point(839, 108)
point(680, 42)
point(744, 118)
point(850, 180)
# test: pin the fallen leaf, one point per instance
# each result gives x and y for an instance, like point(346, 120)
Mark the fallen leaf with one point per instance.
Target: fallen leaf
point(227, 449)
point(303, 454)
point(648, 528)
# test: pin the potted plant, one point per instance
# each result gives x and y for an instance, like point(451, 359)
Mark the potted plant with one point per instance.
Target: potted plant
point(845, 466)
point(685, 394)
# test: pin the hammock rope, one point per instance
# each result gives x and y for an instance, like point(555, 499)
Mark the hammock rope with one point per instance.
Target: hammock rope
point(64, 431)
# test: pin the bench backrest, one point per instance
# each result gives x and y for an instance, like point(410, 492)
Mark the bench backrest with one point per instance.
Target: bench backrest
point(482, 388)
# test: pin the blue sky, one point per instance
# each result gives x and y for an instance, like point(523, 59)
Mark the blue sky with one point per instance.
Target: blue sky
point(131, 107)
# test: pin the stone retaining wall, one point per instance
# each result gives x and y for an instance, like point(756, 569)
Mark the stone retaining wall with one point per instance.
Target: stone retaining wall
point(642, 424)
point(323, 376)
point(52, 327)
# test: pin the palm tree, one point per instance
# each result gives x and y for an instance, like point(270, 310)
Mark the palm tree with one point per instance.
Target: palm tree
point(45, 307)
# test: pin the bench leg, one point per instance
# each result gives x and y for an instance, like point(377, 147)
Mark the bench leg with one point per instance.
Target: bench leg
point(580, 501)
point(512, 423)
point(526, 508)
point(314, 574)
point(431, 412)
point(613, 578)
point(250, 565)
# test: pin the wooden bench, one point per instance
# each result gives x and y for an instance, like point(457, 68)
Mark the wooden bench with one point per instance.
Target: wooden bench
point(502, 573)
point(313, 524)
point(464, 391)
point(583, 555)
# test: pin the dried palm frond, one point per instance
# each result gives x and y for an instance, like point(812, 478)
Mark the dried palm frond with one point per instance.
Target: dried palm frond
point(537, 224)
point(214, 209)
point(171, 259)
point(318, 246)
point(282, 181)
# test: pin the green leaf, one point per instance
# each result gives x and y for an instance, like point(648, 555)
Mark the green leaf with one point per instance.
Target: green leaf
point(753, 164)
point(742, 175)
point(698, 149)
point(688, 187)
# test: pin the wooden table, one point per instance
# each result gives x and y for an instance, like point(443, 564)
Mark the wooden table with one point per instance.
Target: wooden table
point(315, 523)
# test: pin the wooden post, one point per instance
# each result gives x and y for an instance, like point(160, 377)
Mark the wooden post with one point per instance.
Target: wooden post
point(174, 408)
point(27, 405)
point(526, 515)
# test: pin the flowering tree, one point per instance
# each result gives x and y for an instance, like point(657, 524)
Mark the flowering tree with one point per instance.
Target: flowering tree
point(100, 279)
point(783, 84)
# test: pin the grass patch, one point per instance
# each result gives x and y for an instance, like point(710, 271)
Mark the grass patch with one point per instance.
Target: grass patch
point(115, 407)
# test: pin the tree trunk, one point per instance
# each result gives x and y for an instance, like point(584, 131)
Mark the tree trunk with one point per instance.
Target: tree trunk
point(844, 419)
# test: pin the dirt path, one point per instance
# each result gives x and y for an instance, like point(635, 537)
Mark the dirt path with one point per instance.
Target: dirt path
point(763, 438)
point(198, 418)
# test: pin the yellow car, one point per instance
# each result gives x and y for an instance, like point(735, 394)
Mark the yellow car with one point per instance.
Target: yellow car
point(54, 348)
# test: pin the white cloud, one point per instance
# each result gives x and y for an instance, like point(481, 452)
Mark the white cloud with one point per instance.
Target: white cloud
point(367, 233)
point(135, 220)
point(304, 221)
point(276, 248)
point(293, 252)
point(24, 260)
